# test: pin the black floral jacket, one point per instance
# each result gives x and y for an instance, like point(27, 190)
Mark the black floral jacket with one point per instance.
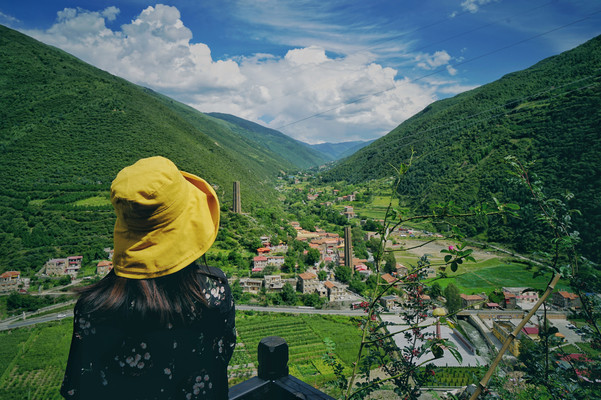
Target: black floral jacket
point(116, 359)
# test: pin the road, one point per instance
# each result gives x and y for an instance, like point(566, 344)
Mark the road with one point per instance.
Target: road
point(35, 320)
point(301, 310)
point(5, 325)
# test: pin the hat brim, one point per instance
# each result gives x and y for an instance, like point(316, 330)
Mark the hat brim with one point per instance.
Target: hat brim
point(172, 247)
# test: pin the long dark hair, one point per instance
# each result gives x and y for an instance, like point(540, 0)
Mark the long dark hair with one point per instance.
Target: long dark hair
point(170, 298)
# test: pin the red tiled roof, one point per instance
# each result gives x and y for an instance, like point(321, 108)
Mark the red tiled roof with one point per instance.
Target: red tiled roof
point(388, 278)
point(307, 276)
point(471, 297)
point(567, 295)
point(104, 263)
point(530, 330)
point(10, 274)
point(260, 258)
point(329, 284)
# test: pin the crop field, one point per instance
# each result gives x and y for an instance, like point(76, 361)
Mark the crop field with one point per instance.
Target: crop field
point(305, 336)
point(376, 208)
point(33, 359)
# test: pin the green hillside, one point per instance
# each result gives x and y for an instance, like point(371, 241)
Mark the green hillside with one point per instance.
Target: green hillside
point(298, 153)
point(337, 151)
point(67, 128)
point(550, 113)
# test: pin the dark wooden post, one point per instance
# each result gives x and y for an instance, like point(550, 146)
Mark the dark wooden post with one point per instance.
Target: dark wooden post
point(272, 354)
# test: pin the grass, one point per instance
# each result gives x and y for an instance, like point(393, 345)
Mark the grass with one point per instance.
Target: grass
point(376, 209)
point(94, 201)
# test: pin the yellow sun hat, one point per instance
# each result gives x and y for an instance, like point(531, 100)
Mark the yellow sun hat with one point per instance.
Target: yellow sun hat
point(166, 218)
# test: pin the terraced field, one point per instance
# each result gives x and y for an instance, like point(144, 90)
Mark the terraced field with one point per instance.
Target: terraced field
point(33, 359)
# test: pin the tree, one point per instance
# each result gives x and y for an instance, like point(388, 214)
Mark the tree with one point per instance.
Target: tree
point(236, 290)
point(343, 273)
point(322, 275)
point(289, 262)
point(288, 294)
point(389, 262)
point(451, 293)
point(357, 286)
point(312, 256)
point(435, 290)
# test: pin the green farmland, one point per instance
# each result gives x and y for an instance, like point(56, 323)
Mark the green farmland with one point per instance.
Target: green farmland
point(33, 359)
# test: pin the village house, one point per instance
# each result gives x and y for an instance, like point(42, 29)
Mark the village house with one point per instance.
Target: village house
point(275, 283)
point(510, 300)
point(251, 285)
point(471, 301)
point(524, 296)
point(566, 300)
point(280, 248)
point(259, 263)
point(335, 292)
point(390, 279)
point(390, 302)
point(308, 283)
point(348, 212)
point(278, 261)
point(63, 266)
point(11, 281)
point(73, 265)
point(362, 269)
point(104, 267)
point(401, 270)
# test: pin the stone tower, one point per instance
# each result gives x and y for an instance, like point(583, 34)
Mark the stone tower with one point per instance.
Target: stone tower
point(237, 207)
point(348, 247)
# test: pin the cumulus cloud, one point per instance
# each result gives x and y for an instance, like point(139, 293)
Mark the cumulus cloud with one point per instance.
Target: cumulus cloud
point(433, 61)
point(474, 5)
point(349, 97)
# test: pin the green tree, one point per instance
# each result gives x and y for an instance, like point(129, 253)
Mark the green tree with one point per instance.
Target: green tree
point(389, 262)
point(236, 290)
point(312, 256)
point(435, 290)
point(322, 275)
point(451, 293)
point(343, 273)
point(288, 294)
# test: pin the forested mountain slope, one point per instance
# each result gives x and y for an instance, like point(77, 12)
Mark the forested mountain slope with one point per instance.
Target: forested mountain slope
point(549, 113)
point(336, 151)
point(298, 153)
point(67, 128)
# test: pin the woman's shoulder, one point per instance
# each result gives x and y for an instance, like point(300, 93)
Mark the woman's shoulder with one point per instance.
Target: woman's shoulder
point(212, 273)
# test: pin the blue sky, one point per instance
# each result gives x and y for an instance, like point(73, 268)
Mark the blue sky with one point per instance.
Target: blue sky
point(317, 70)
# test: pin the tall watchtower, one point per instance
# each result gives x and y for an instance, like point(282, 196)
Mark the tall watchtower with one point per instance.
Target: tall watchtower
point(348, 247)
point(237, 207)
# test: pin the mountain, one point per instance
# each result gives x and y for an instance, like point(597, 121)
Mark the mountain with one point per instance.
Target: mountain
point(67, 128)
point(549, 113)
point(336, 151)
point(292, 150)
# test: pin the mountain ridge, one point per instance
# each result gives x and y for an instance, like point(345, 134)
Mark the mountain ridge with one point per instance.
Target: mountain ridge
point(549, 112)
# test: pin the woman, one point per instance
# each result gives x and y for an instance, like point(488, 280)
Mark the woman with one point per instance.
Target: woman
point(161, 324)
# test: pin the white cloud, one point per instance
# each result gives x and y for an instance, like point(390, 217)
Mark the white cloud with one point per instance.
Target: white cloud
point(7, 19)
point(474, 5)
point(433, 61)
point(348, 97)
